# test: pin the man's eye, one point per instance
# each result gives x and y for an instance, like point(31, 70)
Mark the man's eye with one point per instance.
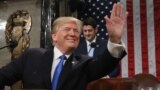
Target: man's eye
point(76, 30)
point(85, 30)
point(66, 29)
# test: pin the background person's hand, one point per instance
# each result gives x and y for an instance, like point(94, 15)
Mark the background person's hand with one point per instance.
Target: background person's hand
point(116, 23)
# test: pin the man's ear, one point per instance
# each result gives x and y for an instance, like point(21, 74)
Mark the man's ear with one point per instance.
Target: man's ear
point(54, 37)
point(96, 29)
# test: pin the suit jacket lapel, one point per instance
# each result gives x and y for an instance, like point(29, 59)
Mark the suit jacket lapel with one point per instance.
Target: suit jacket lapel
point(68, 67)
point(46, 65)
point(96, 50)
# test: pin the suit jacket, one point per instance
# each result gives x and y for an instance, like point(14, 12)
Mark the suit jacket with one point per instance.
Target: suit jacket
point(101, 45)
point(34, 69)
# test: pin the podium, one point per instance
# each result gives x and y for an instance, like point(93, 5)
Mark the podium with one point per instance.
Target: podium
point(138, 82)
point(111, 84)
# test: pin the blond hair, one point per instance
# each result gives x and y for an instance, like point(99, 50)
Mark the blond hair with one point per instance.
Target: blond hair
point(63, 20)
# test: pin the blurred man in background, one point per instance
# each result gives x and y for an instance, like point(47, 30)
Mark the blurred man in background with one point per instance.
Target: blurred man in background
point(92, 45)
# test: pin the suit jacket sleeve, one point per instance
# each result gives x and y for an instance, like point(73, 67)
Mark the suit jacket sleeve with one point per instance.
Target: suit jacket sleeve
point(13, 72)
point(115, 72)
point(103, 65)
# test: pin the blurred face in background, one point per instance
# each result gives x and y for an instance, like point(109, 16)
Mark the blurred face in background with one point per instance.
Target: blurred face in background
point(89, 32)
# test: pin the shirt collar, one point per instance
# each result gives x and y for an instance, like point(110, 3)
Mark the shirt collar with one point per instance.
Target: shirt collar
point(88, 43)
point(58, 53)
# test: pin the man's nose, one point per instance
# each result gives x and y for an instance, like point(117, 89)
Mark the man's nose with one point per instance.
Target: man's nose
point(72, 32)
point(87, 32)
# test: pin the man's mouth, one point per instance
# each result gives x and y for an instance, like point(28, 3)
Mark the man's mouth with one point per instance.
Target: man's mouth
point(71, 40)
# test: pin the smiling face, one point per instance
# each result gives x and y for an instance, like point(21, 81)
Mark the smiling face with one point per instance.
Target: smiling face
point(89, 29)
point(89, 32)
point(66, 37)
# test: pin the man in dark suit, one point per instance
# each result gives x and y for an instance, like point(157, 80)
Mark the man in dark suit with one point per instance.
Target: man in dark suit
point(92, 45)
point(37, 68)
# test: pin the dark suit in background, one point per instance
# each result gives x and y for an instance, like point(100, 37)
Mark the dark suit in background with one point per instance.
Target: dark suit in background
point(100, 46)
point(91, 44)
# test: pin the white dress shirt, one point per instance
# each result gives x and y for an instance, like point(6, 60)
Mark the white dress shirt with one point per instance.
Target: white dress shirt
point(56, 60)
point(115, 49)
point(88, 43)
point(90, 50)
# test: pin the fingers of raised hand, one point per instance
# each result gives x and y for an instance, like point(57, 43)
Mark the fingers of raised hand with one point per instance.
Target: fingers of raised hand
point(117, 10)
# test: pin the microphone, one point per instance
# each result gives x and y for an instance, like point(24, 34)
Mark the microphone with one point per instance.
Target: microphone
point(12, 44)
point(93, 44)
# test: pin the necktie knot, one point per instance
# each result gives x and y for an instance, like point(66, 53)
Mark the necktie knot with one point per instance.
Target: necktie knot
point(62, 57)
point(93, 45)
